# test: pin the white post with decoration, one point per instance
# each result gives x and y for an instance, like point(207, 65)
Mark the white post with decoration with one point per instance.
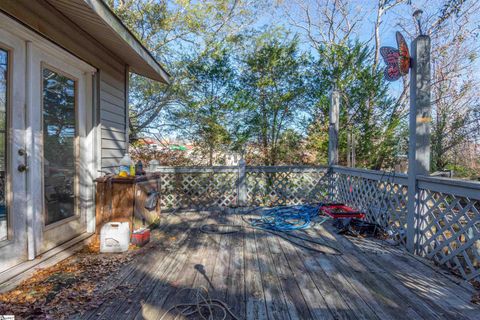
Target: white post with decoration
point(398, 63)
point(419, 137)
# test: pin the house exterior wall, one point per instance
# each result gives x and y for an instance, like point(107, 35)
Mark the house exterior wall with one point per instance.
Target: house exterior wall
point(112, 119)
point(111, 96)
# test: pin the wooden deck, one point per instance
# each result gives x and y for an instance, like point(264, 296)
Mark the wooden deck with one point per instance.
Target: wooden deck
point(263, 277)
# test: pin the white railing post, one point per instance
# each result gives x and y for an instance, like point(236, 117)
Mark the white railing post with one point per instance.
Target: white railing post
point(419, 127)
point(152, 166)
point(333, 128)
point(242, 184)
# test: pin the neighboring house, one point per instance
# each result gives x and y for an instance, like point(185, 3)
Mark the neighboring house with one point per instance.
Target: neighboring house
point(64, 68)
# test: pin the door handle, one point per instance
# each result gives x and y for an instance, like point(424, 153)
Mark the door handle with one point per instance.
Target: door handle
point(22, 167)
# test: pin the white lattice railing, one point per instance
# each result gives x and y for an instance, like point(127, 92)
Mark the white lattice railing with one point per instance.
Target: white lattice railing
point(448, 226)
point(382, 196)
point(199, 188)
point(286, 185)
point(446, 218)
point(203, 188)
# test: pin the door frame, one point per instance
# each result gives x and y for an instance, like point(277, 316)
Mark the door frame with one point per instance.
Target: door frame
point(13, 250)
point(34, 43)
point(49, 236)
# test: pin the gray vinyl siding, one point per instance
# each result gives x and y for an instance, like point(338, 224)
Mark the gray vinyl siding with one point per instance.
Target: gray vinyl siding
point(113, 119)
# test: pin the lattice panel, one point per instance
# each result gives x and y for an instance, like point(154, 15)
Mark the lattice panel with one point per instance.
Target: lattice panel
point(449, 232)
point(200, 191)
point(383, 201)
point(286, 188)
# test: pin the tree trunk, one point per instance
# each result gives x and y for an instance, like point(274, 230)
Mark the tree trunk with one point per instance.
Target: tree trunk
point(210, 156)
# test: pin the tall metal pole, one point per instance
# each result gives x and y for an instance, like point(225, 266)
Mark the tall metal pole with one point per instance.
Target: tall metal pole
point(333, 128)
point(419, 127)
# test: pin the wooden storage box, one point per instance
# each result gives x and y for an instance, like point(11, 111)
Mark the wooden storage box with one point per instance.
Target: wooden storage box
point(123, 200)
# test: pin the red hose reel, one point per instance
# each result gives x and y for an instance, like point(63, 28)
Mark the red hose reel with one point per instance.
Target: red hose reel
point(341, 211)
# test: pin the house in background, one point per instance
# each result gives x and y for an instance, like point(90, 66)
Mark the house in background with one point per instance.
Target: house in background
point(64, 68)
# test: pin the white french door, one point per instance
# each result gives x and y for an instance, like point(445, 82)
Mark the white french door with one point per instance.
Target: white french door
point(60, 101)
point(13, 197)
point(47, 161)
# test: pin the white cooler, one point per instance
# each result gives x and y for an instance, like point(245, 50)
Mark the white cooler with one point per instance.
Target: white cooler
point(115, 237)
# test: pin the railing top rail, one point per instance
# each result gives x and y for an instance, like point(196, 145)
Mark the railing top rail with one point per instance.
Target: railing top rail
point(463, 188)
point(400, 178)
point(199, 169)
point(286, 168)
point(207, 169)
point(470, 189)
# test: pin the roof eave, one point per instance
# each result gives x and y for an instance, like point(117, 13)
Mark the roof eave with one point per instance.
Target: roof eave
point(157, 72)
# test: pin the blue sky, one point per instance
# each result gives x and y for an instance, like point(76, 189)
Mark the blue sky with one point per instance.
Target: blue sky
point(275, 16)
point(367, 10)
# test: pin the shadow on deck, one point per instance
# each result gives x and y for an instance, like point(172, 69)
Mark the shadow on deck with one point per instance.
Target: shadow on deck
point(261, 276)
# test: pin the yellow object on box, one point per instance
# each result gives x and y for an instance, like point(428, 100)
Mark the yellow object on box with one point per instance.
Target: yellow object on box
point(123, 174)
point(126, 166)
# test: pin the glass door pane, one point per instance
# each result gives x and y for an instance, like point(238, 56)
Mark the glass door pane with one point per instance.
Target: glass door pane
point(59, 146)
point(3, 144)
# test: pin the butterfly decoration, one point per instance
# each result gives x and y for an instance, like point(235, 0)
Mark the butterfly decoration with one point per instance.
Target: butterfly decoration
point(397, 60)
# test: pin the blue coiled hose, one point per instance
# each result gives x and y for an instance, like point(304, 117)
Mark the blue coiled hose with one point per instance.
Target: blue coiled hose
point(279, 221)
point(288, 218)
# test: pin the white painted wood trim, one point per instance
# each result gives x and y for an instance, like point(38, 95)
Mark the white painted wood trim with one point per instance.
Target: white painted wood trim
point(89, 145)
point(46, 236)
point(14, 249)
point(46, 45)
point(29, 147)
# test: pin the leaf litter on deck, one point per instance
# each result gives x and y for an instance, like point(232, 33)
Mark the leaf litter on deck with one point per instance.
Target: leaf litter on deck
point(73, 285)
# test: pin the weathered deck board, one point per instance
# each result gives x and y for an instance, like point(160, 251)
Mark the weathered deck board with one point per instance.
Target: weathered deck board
point(162, 269)
point(162, 286)
point(236, 285)
point(219, 277)
point(277, 307)
point(375, 279)
point(383, 271)
point(261, 276)
point(180, 287)
point(310, 274)
point(254, 295)
point(130, 278)
point(292, 288)
point(151, 271)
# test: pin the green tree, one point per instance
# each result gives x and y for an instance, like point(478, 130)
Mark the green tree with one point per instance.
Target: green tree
point(202, 117)
point(272, 91)
point(455, 94)
point(169, 29)
point(290, 148)
point(348, 68)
